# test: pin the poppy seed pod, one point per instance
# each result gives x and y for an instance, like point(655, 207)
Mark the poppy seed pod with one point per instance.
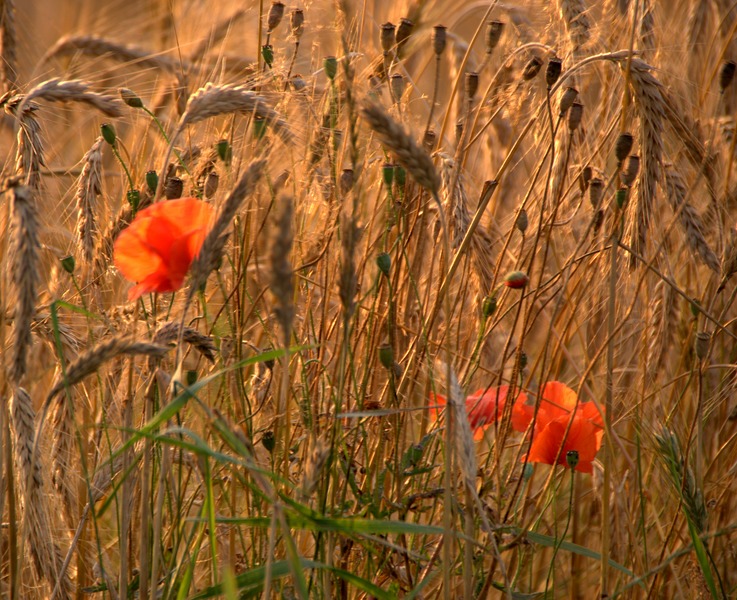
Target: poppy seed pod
point(68, 264)
point(387, 36)
point(494, 30)
point(553, 71)
point(346, 181)
point(387, 174)
point(532, 68)
point(586, 175)
point(702, 344)
point(623, 147)
point(439, 39)
point(108, 133)
point(398, 86)
point(428, 141)
point(386, 356)
point(400, 175)
point(489, 306)
point(629, 173)
point(596, 189)
point(212, 183)
point(296, 22)
point(726, 74)
point(567, 99)
point(404, 30)
point(572, 459)
point(384, 262)
point(575, 114)
point(472, 84)
point(521, 221)
point(269, 441)
point(173, 188)
point(276, 12)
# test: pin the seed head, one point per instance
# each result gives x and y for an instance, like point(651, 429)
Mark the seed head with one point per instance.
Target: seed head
point(623, 147)
point(439, 39)
point(387, 36)
point(472, 84)
point(596, 189)
point(532, 68)
point(575, 113)
point(521, 221)
point(553, 70)
point(404, 30)
point(629, 174)
point(726, 74)
point(296, 22)
point(152, 181)
point(173, 188)
point(585, 178)
point(398, 86)
point(276, 12)
point(494, 30)
point(428, 141)
point(702, 344)
point(567, 99)
point(346, 181)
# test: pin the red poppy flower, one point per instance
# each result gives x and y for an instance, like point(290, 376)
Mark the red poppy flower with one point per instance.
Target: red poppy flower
point(557, 408)
point(157, 248)
point(483, 407)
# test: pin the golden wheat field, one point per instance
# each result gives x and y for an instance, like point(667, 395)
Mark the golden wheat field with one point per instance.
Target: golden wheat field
point(417, 299)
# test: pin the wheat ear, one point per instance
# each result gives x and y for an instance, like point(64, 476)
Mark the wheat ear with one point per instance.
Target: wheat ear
point(88, 189)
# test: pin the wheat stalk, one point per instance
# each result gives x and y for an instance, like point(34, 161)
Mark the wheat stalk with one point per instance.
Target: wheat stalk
point(9, 66)
point(90, 361)
point(26, 275)
point(98, 47)
point(46, 555)
point(212, 248)
point(73, 90)
point(689, 219)
point(88, 188)
point(407, 152)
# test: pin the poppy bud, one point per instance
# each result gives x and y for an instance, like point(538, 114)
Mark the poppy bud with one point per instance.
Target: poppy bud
point(596, 189)
point(68, 264)
point(566, 100)
point(331, 67)
point(516, 280)
point(572, 458)
point(384, 262)
point(527, 471)
point(386, 356)
point(387, 174)
point(695, 308)
point(400, 176)
point(522, 360)
point(191, 377)
point(553, 70)
point(623, 146)
point(276, 12)
point(259, 127)
point(488, 308)
point(387, 36)
point(269, 441)
point(225, 152)
point(621, 197)
point(404, 30)
point(130, 98)
point(134, 199)
point(532, 68)
point(296, 20)
point(726, 75)
point(439, 38)
point(494, 31)
point(152, 181)
point(267, 51)
point(108, 133)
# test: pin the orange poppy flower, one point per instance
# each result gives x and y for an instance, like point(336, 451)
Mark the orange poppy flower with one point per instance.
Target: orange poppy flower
point(157, 248)
point(557, 408)
point(483, 407)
